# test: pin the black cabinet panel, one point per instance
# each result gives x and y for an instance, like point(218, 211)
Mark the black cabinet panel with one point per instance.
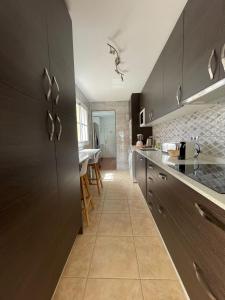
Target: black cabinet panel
point(140, 172)
point(24, 45)
point(172, 70)
point(29, 206)
point(202, 239)
point(64, 110)
point(135, 123)
point(203, 33)
point(152, 93)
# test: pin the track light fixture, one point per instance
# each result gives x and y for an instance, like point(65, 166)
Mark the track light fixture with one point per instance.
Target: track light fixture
point(113, 51)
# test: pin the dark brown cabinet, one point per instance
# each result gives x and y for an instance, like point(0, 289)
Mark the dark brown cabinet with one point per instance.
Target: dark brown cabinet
point(135, 122)
point(24, 45)
point(192, 60)
point(140, 172)
point(203, 38)
point(152, 94)
point(193, 230)
point(172, 70)
point(40, 208)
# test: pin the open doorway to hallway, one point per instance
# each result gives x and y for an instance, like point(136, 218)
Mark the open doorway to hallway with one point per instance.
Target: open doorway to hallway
point(104, 137)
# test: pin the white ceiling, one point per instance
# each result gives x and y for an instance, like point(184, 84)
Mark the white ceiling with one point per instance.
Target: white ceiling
point(139, 28)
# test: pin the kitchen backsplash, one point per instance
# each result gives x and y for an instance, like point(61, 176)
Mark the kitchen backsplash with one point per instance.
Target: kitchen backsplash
point(208, 124)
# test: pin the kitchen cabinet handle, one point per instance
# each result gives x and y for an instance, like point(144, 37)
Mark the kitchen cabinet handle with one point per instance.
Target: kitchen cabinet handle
point(178, 95)
point(223, 57)
point(54, 82)
point(150, 116)
point(60, 128)
point(51, 134)
point(150, 204)
point(211, 72)
point(200, 278)
point(49, 89)
point(209, 216)
point(150, 193)
point(150, 167)
point(162, 176)
point(141, 158)
point(150, 178)
point(161, 210)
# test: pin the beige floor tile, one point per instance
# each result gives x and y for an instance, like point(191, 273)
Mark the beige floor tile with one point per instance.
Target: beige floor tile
point(113, 289)
point(114, 257)
point(115, 195)
point(98, 203)
point(70, 289)
point(115, 205)
point(115, 224)
point(137, 205)
point(162, 290)
point(143, 224)
point(94, 219)
point(153, 260)
point(80, 257)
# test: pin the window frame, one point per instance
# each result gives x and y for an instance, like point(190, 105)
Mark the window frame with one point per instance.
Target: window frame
point(86, 142)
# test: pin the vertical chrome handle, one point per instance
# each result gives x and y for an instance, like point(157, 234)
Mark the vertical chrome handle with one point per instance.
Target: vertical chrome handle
point(211, 72)
point(223, 57)
point(55, 83)
point(49, 88)
point(150, 116)
point(60, 128)
point(178, 95)
point(51, 134)
point(203, 282)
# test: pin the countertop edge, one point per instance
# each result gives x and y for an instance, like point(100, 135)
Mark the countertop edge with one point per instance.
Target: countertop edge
point(216, 198)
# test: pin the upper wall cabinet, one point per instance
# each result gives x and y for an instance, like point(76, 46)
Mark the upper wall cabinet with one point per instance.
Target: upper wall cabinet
point(172, 79)
point(152, 94)
point(203, 37)
point(24, 45)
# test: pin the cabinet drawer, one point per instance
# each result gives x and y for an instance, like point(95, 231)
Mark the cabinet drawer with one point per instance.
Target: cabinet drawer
point(201, 224)
point(178, 250)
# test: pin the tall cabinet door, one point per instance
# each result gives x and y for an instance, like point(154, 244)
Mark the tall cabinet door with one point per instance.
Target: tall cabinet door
point(173, 60)
point(64, 107)
point(24, 48)
point(203, 36)
point(29, 214)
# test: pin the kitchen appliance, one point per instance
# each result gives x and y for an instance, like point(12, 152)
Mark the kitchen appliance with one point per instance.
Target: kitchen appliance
point(139, 140)
point(142, 117)
point(210, 175)
point(187, 150)
point(150, 142)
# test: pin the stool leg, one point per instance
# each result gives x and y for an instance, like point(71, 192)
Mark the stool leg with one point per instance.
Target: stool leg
point(97, 178)
point(99, 174)
point(88, 191)
point(85, 200)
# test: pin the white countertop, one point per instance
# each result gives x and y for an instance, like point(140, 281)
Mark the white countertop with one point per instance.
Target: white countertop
point(163, 161)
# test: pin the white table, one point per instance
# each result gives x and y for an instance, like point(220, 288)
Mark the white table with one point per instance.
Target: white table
point(87, 154)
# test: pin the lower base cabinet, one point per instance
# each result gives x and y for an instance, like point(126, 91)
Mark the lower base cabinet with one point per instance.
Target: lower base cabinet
point(193, 229)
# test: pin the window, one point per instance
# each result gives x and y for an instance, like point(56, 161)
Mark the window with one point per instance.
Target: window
point(82, 123)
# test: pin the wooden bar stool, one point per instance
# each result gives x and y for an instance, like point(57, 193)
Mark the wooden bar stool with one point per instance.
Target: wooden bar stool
point(85, 193)
point(94, 164)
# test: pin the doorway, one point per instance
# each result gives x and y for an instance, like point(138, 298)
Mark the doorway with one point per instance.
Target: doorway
point(104, 137)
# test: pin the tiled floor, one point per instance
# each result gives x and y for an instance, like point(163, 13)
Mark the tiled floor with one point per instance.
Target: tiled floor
point(120, 255)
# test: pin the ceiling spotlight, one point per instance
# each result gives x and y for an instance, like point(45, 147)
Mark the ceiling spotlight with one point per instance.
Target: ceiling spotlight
point(113, 51)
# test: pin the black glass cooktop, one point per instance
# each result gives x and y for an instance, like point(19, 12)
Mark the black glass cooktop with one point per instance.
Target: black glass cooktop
point(212, 176)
